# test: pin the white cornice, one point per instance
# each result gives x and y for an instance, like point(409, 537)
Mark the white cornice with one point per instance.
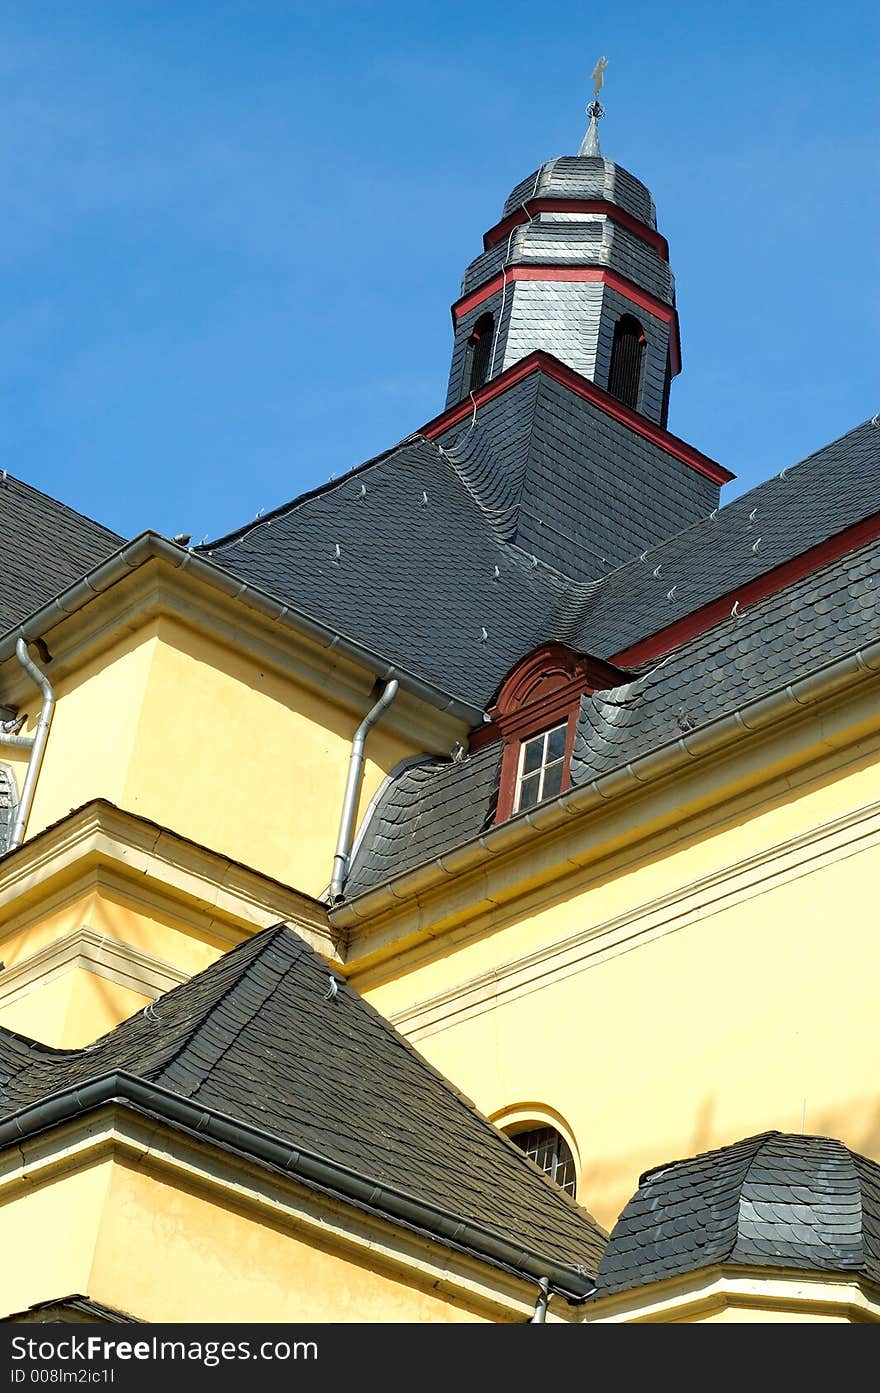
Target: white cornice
point(697, 899)
point(90, 951)
point(100, 844)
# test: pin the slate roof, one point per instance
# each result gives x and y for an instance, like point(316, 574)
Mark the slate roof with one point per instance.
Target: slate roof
point(552, 239)
point(453, 558)
point(773, 1200)
point(431, 806)
point(819, 618)
point(585, 177)
point(44, 547)
point(256, 1038)
point(800, 507)
point(435, 806)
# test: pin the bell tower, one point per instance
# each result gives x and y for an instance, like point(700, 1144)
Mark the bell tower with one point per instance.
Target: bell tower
point(575, 267)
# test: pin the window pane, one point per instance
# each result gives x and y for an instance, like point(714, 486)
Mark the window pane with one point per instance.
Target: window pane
point(534, 750)
point(556, 743)
point(549, 1151)
point(528, 791)
point(553, 780)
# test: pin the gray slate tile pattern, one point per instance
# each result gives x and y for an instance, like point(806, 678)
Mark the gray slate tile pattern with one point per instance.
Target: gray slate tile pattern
point(254, 1037)
point(821, 617)
point(585, 177)
point(799, 508)
point(46, 546)
point(432, 806)
point(773, 1200)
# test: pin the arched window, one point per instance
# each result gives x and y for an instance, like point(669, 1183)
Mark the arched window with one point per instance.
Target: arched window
point(627, 361)
point(477, 354)
point(8, 805)
point(551, 1152)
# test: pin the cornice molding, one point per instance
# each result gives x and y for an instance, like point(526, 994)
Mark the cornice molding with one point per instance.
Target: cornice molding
point(116, 1132)
point(100, 842)
point(87, 950)
point(152, 577)
point(700, 898)
point(776, 743)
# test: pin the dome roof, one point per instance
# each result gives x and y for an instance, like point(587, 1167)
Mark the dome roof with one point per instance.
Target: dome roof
point(773, 1200)
point(586, 177)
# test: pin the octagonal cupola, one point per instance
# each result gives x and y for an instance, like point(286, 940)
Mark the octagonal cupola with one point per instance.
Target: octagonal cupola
point(577, 268)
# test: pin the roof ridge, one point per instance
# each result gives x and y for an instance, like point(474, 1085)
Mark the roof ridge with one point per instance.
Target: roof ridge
point(168, 1074)
point(263, 939)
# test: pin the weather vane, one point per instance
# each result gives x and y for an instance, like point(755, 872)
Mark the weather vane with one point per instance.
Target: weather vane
point(595, 111)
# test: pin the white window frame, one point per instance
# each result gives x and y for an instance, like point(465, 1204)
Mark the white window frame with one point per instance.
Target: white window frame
point(542, 767)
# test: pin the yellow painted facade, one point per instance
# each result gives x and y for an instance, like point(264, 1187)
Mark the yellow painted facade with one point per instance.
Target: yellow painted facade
point(661, 976)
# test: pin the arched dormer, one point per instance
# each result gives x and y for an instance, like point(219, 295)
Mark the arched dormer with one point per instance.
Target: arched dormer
point(627, 361)
point(535, 717)
point(478, 354)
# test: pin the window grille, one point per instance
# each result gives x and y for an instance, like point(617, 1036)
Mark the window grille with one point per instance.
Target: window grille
point(551, 1152)
point(627, 361)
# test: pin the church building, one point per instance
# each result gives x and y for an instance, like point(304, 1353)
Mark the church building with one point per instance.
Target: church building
point(451, 896)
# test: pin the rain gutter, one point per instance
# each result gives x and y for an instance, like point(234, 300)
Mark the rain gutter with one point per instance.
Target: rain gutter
point(751, 718)
point(150, 545)
point(382, 1200)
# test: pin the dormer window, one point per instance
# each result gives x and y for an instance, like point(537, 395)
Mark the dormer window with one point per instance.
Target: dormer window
point(535, 717)
point(627, 361)
point(477, 354)
point(541, 767)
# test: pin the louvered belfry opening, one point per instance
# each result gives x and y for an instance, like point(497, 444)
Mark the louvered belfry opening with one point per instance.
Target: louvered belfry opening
point(479, 348)
point(627, 357)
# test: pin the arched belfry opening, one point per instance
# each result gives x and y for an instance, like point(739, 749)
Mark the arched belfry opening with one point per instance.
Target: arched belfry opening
point(627, 361)
point(478, 354)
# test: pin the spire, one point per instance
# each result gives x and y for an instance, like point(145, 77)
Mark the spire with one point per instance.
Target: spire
point(595, 111)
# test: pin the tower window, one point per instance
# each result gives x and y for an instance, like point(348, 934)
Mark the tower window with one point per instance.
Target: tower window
point(551, 1153)
point(627, 361)
point(541, 767)
point(477, 354)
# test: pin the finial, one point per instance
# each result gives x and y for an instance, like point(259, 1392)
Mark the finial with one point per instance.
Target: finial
point(595, 111)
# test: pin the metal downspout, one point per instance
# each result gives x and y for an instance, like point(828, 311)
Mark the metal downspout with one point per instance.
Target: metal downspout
point(543, 1301)
point(353, 788)
point(36, 743)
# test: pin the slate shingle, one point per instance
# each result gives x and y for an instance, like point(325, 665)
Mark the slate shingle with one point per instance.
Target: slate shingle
point(773, 1200)
point(255, 1037)
point(46, 546)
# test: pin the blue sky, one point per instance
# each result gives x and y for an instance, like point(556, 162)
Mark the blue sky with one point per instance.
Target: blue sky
point(230, 232)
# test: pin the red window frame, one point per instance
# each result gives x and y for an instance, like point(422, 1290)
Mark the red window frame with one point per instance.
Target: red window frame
point(541, 692)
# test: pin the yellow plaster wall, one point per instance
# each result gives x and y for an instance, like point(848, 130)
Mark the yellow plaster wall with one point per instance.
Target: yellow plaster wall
point(758, 1013)
point(180, 728)
point(199, 1260)
point(94, 728)
point(49, 1234)
point(72, 1009)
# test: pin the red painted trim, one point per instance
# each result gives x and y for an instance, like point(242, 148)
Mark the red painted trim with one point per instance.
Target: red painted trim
point(577, 205)
point(534, 272)
point(582, 387)
point(674, 635)
point(542, 691)
point(632, 292)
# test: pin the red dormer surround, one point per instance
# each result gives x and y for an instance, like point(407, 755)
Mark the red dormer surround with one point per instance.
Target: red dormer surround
point(542, 691)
